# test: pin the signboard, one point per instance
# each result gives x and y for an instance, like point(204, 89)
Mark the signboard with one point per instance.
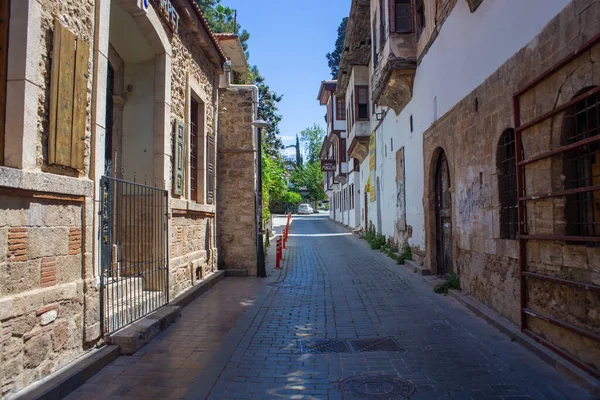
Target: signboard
point(372, 154)
point(167, 12)
point(328, 165)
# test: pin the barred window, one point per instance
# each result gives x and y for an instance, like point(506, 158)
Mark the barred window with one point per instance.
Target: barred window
point(581, 167)
point(507, 185)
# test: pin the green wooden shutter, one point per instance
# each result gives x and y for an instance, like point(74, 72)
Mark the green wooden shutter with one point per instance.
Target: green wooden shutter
point(210, 169)
point(179, 167)
point(68, 99)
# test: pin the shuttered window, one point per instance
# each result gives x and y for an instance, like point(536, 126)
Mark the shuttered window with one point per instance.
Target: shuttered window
point(68, 99)
point(362, 103)
point(194, 150)
point(4, 16)
point(210, 168)
point(401, 16)
point(179, 165)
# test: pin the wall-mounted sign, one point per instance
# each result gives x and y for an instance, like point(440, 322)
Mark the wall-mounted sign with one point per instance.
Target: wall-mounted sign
point(328, 165)
point(167, 11)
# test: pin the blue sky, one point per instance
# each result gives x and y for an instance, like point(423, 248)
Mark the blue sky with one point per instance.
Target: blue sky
point(288, 43)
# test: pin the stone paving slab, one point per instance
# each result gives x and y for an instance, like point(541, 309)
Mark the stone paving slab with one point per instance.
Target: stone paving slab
point(167, 366)
point(335, 287)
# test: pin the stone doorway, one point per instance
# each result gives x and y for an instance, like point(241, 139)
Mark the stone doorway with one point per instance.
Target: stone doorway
point(443, 216)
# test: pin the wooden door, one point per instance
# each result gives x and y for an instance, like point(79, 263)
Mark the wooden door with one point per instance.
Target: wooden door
point(443, 211)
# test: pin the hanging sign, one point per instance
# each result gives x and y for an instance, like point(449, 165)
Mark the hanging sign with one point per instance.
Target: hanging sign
point(328, 165)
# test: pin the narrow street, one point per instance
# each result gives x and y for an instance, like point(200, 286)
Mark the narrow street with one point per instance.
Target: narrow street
point(332, 287)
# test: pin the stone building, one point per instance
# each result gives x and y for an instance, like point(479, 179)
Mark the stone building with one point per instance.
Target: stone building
point(482, 151)
point(108, 169)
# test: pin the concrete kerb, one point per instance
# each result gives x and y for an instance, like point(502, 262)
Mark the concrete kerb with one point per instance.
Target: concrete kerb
point(203, 385)
point(509, 329)
point(66, 380)
point(126, 341)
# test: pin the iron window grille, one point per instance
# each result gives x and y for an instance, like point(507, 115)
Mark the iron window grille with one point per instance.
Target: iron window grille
point(194, 150)
point(507, 185)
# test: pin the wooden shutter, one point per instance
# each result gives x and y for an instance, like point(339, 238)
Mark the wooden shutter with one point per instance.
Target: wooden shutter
point(68, 99)
point(210, 169)
point(179, 167)
point(4, 16)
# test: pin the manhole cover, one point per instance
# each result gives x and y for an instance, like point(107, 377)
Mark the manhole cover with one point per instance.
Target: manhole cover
point(377, 387)
point(375, 344)
point(323, 346)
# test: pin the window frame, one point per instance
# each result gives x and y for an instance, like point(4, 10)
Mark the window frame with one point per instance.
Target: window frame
point(392, 17)
point(357, 102)
point(507, 183)
point(340, 108)
point(418, 29)
point(200, 193)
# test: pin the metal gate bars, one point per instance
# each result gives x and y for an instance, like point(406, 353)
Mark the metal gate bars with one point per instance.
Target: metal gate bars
point(562, 175)
point(134, 252)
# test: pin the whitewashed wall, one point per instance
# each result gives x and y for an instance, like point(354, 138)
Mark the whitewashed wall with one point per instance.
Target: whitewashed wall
point(469, 48)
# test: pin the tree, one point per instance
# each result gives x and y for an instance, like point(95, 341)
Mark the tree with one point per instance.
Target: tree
point(312, 138)
point(223, 19)
point(333, 58)
point(268, 111)
point(298, 155)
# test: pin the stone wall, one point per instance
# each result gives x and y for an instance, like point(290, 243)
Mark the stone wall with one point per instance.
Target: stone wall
point(78, 17)
point(192, 250)
point(236, 177)
point(42, 313)
point(468, 134)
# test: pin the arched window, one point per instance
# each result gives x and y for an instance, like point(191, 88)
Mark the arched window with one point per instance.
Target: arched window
point(581, 167)
point(507, 185)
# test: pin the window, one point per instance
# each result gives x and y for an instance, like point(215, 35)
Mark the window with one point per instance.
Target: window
point(352, 108)
point(400, 16)
point(342, 149)
point(374, 43)
point(340, 109)
point(419, 16)
point(4, 15)
point(194, 125)
point(362, 103)
point(581, 167)
point(507, 185)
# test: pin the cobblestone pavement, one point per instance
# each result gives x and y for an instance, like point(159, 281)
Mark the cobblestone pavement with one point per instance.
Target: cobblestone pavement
point(332, 286)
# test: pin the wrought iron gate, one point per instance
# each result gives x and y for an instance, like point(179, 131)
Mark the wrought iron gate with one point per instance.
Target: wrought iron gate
point(134, 252)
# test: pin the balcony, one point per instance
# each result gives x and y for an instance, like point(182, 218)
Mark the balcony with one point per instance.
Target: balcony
point(394, 73)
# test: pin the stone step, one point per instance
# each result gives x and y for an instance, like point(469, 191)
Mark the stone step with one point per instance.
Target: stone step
point(123, 305)
point(416, 268)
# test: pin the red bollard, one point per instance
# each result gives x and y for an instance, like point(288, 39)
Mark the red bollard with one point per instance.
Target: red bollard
point(284, 236)
point(278, 256)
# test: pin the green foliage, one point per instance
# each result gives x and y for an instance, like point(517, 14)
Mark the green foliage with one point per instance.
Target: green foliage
point(451, 283)
point(268, 111)
point(222, 19)
point(292, 197)
point(274, 186)
point(375, 240)
point(405, 255)
point(333, 58)
point(309, 178)
point(312, 140)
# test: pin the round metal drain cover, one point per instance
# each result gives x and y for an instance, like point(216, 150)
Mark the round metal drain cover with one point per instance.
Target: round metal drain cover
point(386, 387)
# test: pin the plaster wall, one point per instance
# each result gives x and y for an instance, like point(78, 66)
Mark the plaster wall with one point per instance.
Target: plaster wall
point(138, 122)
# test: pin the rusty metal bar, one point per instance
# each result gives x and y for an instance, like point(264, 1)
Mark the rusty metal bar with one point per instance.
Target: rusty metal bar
point(565, 325)
point(566, 282)
point(564, 354)
point(561, 193)
point(563, 237)
point(561, 149)
point(558, 109)
point(586, 46)
point(521, 212)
